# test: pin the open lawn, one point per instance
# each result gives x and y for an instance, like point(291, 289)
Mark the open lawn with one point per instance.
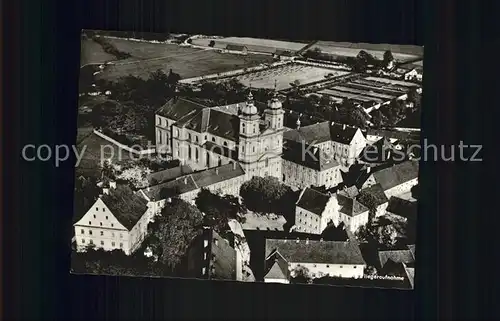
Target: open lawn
point(253, 44)
point(187, 62)
point(345, 49)
point(93, 145)
point(143, 50)
point(91, 52)
point(287, 74)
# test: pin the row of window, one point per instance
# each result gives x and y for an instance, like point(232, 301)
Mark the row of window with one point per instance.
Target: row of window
point(100, 223)
point(328, 265)
point(82, 232)
point(113, 244)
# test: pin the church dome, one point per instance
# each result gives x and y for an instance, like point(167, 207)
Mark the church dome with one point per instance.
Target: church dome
point(249, 107)
point(275, 103)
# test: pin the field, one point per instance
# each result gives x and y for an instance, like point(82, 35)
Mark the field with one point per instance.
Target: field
point(287, 74)
point(369, 89)
point(143, 50)
point(91, 52)
point(253, 44)
point(187, 62)
point(400, 52)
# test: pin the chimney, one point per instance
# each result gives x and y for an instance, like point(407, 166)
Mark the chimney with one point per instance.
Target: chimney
point(343, 127)
point(234, 166)
point(307, 241)
point(185, 180)
point(368, 169)
point(297, 240)
point(216, 171)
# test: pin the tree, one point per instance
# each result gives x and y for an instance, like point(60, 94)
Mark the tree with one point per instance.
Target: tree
point(387, 235)
point(267, 195)
point(387, 58)
point(369, 200)
point(371, 270)
point(173, 230)
point(136, 176)
point(377, 118)
point(211, 43)
point(218, 209)
point(301, 275)
point(86, 193)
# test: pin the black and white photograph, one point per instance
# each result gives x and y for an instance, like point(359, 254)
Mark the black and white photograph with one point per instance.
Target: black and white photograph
point(247, 159)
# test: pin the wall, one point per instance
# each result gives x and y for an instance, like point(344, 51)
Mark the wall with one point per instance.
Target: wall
point(283, 281)
point(344, 271)
point(97, 220)
point(307, 221)
point(402, 188)
point(125, 147)
point(381, 209)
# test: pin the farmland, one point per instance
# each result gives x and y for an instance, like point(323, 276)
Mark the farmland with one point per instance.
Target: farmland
point(369, 89)
point(284, 75)
point(91, 52)
point(187, 62)
point(258, 45)
point(400, 52)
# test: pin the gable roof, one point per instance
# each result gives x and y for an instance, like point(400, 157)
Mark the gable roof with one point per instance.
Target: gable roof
point(397, 174)
point(350, 206)
point(396, 256)
point(125, 205)
point(168, 174)
point(313, 201)
point(276, 267)
point(377, 191)
point(316, 251)
point(410, 273)
point(213, 121)
point(315, 159)
point(178, 186)
point(217, 174)
point(402, 207)
point(179, 108)
point(322, 132)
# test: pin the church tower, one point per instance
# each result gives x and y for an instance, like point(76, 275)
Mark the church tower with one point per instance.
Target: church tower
point(249, 132)
point(274, 114)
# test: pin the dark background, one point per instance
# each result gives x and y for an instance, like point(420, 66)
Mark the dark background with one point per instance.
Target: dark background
point(41, 43)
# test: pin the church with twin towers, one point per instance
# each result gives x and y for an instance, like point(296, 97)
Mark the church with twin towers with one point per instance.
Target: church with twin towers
point(248, 133)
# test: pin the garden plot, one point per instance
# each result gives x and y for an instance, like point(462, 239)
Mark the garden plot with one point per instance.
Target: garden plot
point(392, 82)
point(381, 85)
point(344, 95)
point(374, 89)
point(364, 92)
point(302, 74)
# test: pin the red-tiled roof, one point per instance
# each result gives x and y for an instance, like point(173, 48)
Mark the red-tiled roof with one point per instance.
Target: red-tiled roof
point(179, 108)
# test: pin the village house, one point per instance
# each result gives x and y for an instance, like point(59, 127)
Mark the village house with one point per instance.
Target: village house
point(316, 210)
point(302, 169)
point(381, 199)
point(398, 263)
point(342, 143)
point(205, 137)
point(226, 179)
point(403, 209)
point(396, 179)
point(117, 220)
point(318, 258)
point(211, 256)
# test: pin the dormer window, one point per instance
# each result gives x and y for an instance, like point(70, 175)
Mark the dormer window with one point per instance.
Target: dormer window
point(213, 139)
